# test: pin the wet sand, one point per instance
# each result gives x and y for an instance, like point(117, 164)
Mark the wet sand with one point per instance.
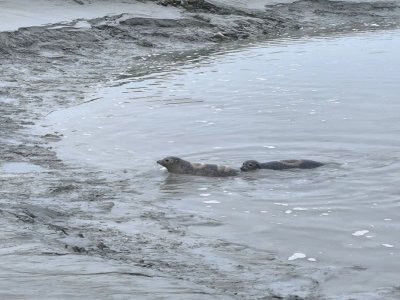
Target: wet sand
point(60, 234)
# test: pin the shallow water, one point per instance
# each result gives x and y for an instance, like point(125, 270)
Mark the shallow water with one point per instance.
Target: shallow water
point(20, 167)
point(331, 99)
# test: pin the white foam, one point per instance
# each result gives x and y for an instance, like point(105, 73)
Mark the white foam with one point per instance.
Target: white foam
point(360, 232)
point(311, 259)
point(211, 202)
point(297, 255)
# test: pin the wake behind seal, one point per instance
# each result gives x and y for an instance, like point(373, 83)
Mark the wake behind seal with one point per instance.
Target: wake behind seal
point(177, 165)
point(252, 165)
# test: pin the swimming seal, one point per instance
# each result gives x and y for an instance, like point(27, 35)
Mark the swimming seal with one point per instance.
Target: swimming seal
point(252, 165)
point(179, 166)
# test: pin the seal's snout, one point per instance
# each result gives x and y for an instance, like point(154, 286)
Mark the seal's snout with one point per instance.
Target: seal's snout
point(243, 168)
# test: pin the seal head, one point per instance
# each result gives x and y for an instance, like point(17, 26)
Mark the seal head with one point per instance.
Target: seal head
point(176, 165)
point(250, 165)
point(168, 161)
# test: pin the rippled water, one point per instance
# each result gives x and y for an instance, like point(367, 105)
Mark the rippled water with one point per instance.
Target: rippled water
point(334, 100)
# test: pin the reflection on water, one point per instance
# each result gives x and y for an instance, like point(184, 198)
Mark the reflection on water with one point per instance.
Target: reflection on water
point(333, 100)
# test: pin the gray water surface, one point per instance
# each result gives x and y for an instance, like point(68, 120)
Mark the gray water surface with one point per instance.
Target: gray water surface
point(20, 167)
point(334, 100)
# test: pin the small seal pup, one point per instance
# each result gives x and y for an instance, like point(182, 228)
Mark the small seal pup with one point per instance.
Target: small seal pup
point(179, 166)
point(252, 165)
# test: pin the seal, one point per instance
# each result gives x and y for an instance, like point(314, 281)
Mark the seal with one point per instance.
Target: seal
point(179, 166)
point(252, 165)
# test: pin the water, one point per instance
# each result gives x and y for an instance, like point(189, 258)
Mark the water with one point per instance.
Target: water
point(331, 99)
point(20, 167)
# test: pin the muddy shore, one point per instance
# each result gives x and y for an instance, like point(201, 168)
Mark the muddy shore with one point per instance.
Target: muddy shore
point(59, 238)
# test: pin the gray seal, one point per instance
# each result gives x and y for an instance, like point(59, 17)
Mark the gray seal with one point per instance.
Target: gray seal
point(179, 166)
point(252, 165)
